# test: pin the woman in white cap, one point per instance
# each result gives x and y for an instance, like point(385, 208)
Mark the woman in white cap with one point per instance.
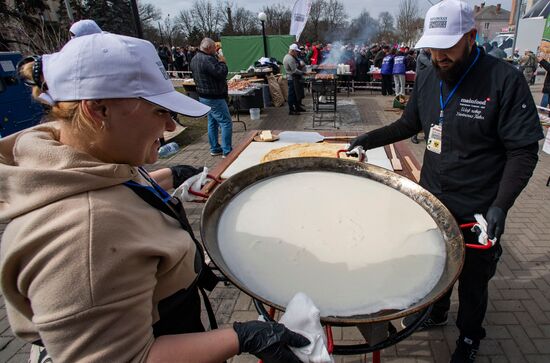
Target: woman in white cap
point(98, 263)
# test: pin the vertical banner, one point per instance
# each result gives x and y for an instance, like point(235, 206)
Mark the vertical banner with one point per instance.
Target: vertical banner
point(544, 49)
point(300, 13)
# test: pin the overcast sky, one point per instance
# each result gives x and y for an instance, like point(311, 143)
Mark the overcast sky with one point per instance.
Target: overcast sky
point(374, 7)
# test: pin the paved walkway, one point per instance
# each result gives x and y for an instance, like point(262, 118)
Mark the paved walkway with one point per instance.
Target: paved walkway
point(518, 317)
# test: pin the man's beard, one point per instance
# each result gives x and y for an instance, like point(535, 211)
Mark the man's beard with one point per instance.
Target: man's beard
point(454, 72)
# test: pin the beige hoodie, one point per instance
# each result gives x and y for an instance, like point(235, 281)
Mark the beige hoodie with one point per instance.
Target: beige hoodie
point(84, 261)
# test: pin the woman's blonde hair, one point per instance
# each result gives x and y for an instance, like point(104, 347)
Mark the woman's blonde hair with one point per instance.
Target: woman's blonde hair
point(71, 112)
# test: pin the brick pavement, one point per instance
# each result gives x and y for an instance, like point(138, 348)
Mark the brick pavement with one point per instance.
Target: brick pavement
point(518, 317)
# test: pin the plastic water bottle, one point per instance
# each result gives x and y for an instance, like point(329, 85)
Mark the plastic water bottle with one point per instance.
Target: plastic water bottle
point(168, 150)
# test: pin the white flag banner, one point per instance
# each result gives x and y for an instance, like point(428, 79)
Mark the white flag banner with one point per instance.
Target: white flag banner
point(300, 13)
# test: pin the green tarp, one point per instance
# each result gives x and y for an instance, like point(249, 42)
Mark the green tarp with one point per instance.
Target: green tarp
point(241, 52)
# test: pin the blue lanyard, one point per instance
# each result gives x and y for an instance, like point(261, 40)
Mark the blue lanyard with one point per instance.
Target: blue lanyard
point(451, 94)
point(155, 188)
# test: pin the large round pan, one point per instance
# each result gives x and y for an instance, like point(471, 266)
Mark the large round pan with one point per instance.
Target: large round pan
point(440, 214)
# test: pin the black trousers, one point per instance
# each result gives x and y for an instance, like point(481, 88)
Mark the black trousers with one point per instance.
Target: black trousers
point(473, 292)
point(292, 99)
point(298, 89)
point(387, 88)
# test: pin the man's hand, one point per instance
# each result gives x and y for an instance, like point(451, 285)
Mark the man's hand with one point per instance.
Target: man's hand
point(221, 58)
point(361, 140)
point(495, 222)
point(269, 341)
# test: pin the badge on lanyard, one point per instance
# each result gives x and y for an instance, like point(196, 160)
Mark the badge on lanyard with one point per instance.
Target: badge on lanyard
point(434, 139)
point(436, 131)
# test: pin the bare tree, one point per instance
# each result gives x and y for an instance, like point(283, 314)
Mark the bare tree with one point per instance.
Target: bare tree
point(149, 13)
point(207, 17)
point(335, 14)
point(245, 22)
point(408, 20)
point(25, 28)
point(314, 22)
point(185, 19)
point(386, 28)
point(278, 19)
point(363, 28)
point(202, 18)
point(237, 20)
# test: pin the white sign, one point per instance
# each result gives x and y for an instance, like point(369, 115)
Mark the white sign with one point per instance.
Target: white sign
point(7, 66)
point(300, 13)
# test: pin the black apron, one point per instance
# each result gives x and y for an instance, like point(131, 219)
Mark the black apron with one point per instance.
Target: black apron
point(180, 312)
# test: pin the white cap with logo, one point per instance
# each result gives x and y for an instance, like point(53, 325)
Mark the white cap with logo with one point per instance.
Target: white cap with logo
point(105, 65)
point(445, 23)
point(295, 47)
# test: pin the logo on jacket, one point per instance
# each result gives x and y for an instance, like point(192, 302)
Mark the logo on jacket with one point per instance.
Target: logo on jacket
point(472, 108)
point(438, 22)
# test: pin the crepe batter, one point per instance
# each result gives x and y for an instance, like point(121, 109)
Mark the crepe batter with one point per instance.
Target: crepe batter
point(355, 246)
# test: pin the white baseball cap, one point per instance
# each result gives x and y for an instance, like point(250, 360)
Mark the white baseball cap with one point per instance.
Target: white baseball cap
point(295, 47)
point(84, 27)
point(106, 65)
point(445, 23)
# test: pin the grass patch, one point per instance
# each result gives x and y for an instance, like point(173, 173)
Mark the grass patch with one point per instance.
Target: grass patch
point(195, 128)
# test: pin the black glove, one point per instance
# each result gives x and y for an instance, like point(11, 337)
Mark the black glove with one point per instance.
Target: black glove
point(361, 140)
point(181, 173)
point(269, 341)
point(495, 222)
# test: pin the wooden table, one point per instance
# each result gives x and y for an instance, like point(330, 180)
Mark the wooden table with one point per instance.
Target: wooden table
point(401, 148)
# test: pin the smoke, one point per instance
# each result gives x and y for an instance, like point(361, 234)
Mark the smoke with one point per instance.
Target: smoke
point(336, 52)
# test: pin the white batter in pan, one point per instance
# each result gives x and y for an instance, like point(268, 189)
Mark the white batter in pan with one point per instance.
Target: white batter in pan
point(353, 245)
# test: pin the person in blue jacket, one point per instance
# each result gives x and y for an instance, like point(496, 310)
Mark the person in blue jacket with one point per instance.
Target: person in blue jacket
point(399, 69)
point(387, 71)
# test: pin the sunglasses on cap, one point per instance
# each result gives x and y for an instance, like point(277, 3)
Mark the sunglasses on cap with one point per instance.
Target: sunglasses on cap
point(36, 72)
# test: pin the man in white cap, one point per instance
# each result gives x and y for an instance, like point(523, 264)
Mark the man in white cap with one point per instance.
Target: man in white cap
point(84, 27)
point(482, 148)
point(290, 63)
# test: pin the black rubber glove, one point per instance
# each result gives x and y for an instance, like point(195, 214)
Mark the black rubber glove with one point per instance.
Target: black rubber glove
point(269, 341)
point(360, 140)
point(495, 222)
point(181, 173)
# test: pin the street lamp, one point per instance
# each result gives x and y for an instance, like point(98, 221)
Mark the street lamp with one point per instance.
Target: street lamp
point(262, 17)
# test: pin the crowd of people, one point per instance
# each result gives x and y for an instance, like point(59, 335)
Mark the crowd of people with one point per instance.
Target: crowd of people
point(179, 58)
point(85, 279)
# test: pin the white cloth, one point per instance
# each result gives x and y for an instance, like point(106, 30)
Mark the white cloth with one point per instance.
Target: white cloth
point(195, 183)
point(303, 317)
point(483, 237)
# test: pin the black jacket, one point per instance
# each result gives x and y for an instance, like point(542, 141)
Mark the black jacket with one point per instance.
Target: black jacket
point(544, 64)
point(209, 75)
point(490, 134)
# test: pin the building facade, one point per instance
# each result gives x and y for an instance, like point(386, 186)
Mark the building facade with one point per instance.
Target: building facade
point(491, 20)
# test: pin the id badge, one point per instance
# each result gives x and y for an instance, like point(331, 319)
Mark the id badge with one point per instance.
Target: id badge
point(434, 139)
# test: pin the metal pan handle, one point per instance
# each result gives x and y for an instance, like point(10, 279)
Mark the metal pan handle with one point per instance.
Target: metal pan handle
point(490, 242)
point(205, 195)
point(361, 156)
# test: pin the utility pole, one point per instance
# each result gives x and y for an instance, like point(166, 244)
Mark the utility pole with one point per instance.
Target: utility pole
point(135, 12)
point(69, 11)
point(518, 16)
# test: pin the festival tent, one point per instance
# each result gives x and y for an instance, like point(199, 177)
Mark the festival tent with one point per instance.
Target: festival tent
point(243, 51)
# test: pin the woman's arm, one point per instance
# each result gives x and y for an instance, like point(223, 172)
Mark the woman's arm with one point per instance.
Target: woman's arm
point(195, 347)
point(163, 177)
